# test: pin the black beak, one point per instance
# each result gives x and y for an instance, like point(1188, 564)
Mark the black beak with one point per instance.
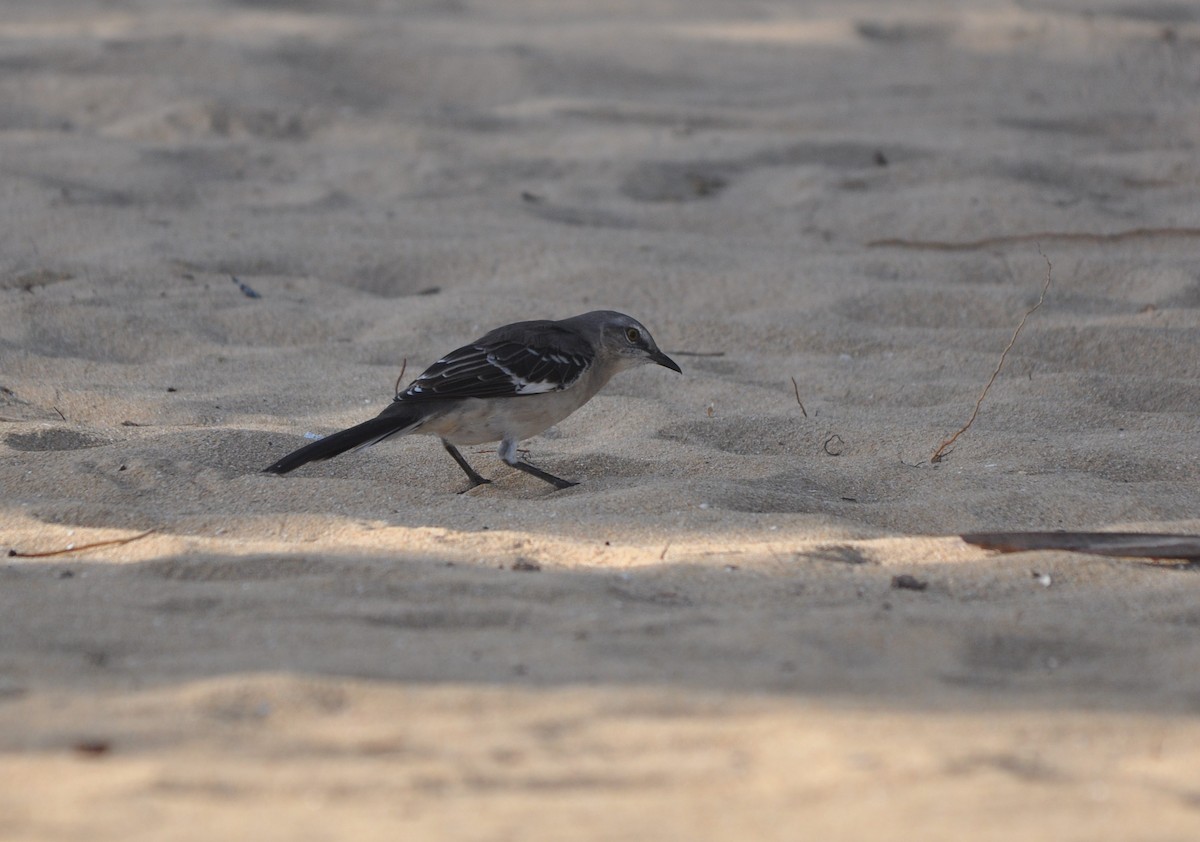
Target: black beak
point(665, 361)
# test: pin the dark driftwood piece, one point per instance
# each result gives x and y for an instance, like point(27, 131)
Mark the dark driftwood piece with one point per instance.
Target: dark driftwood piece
point(1129, 544)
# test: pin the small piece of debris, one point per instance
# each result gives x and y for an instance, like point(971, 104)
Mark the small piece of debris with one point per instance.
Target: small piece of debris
point(245, 288)
point(1043, 578)
point(526, 565)
point(834, 446)
point(1150, 545)
point(92, 748)
point(70, 548)
point(905, 582)
point(796, 389)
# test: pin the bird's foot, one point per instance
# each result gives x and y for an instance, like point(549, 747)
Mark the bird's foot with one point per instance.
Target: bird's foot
point(475, 483)
point(544, 476)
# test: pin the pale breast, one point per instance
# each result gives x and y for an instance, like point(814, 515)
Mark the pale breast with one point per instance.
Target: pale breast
point(477, 421)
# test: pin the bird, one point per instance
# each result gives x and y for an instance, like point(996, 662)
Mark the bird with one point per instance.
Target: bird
point(510, 384)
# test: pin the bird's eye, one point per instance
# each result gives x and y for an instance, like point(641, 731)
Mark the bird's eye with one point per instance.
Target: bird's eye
point(633, 335)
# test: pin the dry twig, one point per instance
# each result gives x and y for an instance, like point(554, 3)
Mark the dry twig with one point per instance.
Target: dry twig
point(1036, 237)
point(400, 376)
point(1154, 545)
point(73, 549)
point(940, 453)
point(797, 391)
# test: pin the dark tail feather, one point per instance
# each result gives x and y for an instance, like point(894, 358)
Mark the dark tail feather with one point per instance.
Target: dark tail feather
point(360, 435)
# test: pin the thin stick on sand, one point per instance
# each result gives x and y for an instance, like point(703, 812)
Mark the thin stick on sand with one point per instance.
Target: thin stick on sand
point(940, 453)
point(400, 376)
point(1037, 237)
point(116, 542)
point(796, 389)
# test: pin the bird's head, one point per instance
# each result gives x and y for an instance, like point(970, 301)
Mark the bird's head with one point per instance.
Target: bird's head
point(626, 339)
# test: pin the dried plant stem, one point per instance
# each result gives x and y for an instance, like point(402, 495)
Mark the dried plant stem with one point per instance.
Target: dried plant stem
point(1035, 237)
point(400, 376)
point(940, 453)
point(796, 388)
point(113, 543)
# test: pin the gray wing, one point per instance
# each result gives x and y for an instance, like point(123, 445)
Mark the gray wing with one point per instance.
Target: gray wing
point(522, 359)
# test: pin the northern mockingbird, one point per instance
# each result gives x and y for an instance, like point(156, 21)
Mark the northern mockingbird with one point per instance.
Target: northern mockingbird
point(506, 386)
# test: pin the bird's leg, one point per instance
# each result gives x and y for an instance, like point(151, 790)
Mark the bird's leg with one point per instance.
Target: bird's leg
point(508, 452)
point(472, 474)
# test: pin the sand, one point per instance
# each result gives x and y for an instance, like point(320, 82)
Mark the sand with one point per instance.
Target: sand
point(703, 640)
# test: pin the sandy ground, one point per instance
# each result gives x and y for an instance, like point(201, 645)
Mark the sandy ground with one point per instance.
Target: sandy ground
point(702, 640)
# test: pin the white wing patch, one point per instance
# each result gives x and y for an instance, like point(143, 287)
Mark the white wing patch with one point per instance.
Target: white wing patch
point(521, 386)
